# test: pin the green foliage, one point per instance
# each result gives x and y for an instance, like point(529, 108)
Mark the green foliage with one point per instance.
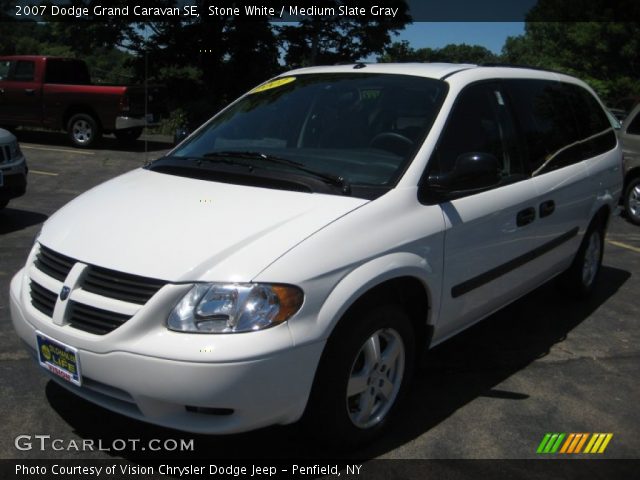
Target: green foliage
point(605, 54)
point(460, 53)
point(326, 40)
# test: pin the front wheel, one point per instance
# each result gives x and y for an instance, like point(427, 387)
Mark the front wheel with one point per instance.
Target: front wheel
point(366, 365)
point(581, 278)
point(632, 201)
point(83, 130)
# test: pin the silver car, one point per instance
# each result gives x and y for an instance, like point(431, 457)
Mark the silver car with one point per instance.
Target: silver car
point(13, 168)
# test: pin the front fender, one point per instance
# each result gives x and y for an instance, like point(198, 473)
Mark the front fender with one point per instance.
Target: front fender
point(359, 281)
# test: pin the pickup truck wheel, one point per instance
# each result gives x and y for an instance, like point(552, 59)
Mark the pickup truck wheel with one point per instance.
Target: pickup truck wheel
point(632, 201)
point(128, 135)
point(366, 365)
point(580, 279)
point(83, 130)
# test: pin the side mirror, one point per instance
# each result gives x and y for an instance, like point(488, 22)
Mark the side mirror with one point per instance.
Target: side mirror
point(472, 172)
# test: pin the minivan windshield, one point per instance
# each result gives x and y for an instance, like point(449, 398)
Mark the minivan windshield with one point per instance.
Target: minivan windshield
point(354, 129)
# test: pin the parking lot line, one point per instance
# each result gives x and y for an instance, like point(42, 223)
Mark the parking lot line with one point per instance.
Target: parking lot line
point(40, 172)
point(66, 150)
point(624, 245)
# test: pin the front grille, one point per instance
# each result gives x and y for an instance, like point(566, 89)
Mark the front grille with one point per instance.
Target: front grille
point(43, 299)
point(53, 263)
point(121, 286)
point(94, 320)
point(97, 280)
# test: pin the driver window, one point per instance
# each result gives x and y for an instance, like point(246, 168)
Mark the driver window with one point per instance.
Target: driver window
point(479, 122)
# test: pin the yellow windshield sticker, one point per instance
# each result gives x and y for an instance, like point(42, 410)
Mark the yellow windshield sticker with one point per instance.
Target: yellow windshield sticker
point(273, 84)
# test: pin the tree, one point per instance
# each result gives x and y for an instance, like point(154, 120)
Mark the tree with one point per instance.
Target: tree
point(452, 53)
point(604, 53)
point(331, 39)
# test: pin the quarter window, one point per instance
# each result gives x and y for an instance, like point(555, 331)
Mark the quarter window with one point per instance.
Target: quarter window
point(561, 123)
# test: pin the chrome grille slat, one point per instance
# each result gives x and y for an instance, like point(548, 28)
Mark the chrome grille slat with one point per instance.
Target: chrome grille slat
point(53, 264)
point(94, 320)
point(43, 299)
point(121, 286)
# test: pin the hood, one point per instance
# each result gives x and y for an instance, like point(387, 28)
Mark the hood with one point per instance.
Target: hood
point(182, 229)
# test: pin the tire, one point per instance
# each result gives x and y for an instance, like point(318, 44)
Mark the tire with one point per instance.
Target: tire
point(83, 130)
point(632, 201)
point(581, 278)
point(356, 391)
point(128, 135)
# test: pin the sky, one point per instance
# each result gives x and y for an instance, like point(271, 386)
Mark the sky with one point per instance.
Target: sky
point(491, 35)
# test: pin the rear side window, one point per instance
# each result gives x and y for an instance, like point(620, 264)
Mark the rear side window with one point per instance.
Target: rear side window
point(67, 72)
point(561, 124)
point(24, 71)
point(634, 126)
point(5, 66)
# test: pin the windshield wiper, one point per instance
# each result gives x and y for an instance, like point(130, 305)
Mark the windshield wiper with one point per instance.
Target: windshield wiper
point(338, 181)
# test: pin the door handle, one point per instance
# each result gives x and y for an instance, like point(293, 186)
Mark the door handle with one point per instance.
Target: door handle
point(547, 208)
point(525, 216)
point(29, 91)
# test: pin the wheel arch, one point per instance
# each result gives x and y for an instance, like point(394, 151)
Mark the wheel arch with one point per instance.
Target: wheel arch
point(77, 108)
point(405, 282)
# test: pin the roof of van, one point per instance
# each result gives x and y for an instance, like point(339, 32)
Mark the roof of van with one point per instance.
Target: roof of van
point(435, 70)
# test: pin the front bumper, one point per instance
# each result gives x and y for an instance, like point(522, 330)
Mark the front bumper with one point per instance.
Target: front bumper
point(14, 179)
point(246, 392)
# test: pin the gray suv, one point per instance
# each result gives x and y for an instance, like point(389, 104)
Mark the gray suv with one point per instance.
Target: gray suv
point(13, 169)
point(629, 135)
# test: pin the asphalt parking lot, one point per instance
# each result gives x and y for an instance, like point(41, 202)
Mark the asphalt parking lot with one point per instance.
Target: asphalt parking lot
point(543, 364)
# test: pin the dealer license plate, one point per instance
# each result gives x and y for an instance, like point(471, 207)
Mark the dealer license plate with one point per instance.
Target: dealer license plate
point(60, 359)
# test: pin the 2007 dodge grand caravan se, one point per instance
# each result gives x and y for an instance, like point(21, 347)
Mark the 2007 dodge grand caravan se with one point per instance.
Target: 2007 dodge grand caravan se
point(293, 256)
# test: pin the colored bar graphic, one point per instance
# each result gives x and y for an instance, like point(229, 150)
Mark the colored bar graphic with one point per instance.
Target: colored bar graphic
point(607, 439)
point(590, 444)
point(543, 443)
point(568, 442)
point(574, 443)
point(581, 443)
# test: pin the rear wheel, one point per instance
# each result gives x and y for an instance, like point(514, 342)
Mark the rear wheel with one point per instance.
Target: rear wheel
point(582, 276)
point(367, 363)
point(632, 201)
point(83, 130)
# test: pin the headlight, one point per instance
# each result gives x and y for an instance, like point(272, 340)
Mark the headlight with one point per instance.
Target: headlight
point(234, 308)
point(14, 149)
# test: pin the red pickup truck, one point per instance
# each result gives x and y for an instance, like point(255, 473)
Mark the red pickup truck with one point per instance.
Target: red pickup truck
point(57, 93)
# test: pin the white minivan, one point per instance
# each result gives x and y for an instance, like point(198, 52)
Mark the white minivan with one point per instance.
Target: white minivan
point(293, 256)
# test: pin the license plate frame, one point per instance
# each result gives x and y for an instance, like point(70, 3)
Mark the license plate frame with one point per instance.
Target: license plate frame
point(59, 358)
